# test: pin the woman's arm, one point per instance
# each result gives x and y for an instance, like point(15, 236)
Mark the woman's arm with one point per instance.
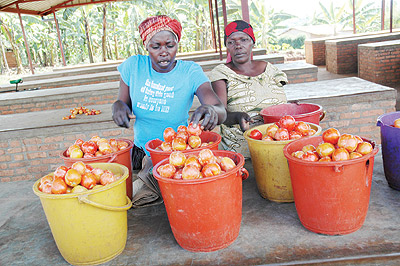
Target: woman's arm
point(212, 111)
point(233, 118)
point(122, 108)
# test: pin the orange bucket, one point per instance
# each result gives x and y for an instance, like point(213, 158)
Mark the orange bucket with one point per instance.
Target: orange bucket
point(158, 155)
point(122, 157)
point(306, 112)
point(331, 197)
point(205, 214)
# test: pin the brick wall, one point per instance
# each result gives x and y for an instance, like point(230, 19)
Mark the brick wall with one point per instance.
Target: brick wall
point(315, 52)
point(341, 54)
point(380, 63)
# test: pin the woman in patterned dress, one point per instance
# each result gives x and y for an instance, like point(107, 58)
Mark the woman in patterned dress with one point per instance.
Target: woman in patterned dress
point(245, 86)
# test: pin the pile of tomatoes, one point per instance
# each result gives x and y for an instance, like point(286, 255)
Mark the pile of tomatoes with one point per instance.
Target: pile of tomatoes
point(95, 147)
point(79, 111)
point(184, 138)
point(335, 147)
point(205, 164)
point(79, 177)
point(285, 129)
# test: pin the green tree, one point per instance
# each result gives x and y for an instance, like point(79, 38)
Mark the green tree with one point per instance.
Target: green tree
point(330, 15)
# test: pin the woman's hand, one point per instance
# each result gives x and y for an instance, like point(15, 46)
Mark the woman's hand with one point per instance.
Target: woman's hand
point(121, 114)
point(208, 114)
point(244, 121)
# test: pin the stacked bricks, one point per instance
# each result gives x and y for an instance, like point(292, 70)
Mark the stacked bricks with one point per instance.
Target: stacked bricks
point(380, 62)
point(315, 51)
point(341, 54)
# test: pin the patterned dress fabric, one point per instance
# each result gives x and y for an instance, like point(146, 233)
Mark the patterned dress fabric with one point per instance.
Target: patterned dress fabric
point(250, 95)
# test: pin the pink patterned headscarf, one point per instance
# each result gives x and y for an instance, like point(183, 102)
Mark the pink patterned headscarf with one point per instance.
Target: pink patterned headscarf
point(152, 25)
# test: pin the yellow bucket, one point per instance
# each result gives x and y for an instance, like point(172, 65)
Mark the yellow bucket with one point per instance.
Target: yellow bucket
point(89, 227)
point(270, 165)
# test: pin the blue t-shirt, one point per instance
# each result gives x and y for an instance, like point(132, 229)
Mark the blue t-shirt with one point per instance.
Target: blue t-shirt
point(159, 100)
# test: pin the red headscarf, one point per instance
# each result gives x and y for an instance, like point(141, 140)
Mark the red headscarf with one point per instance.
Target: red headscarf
point(152, 25)
point(235, 26)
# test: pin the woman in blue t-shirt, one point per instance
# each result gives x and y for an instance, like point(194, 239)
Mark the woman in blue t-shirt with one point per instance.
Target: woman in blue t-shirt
point(158, 90)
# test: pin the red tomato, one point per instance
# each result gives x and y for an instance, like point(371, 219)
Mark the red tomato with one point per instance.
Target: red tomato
point(178, 174)
point(267, 138)
point(107, 178)
point(60, 172)
point(183, 135)
point(294, 135)
point(281, 134)
point(206, 156)
point(298, 154)
point(122, 144)
point(194, 141)
point(194, 131)
point(354, 155)
point(73, 177)
point(308, 147)
point(79, 166)
point(325, 149)
point(331, 135)
point(105, 147)
point(227, 164)
point(177, 159)
point(211, 169)
point(178, 144)
point(169, 134)
point(347, 141)
point(167, 170)
point(325, 159)
point(287, 122)
point(271, 130)
point(166, 146)
point(58, 186)
point(364, 148)
point(302, 128)
point(340, 154)
point(256, 134)
point(310, 156)
point(192, 159)
point(79, 142)
point(88, 180)
point(191, 172)
point(182, 128)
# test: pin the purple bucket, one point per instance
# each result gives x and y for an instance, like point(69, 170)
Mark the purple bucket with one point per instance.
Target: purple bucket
point(390, 141)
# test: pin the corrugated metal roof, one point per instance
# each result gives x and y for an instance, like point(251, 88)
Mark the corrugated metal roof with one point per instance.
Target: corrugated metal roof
point(43, 7)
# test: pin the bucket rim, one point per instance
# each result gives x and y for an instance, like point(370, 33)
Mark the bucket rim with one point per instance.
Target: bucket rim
point(319, 110)
point(276, 142)
point(124, 176)
point(203, 180)
point(95, 159)
point(151, 150)
point(379, 119)
point(364, 158)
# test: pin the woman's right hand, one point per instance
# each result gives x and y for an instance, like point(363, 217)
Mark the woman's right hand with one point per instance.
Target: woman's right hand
point(244, 120)
point(121, 113)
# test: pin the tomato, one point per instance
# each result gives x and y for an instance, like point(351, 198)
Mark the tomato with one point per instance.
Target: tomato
point(354, 155)
point(271, 130)
point(347, 141)
point(104, 147)
point(308, 147)
point(107, 178)
point(182, 134)
point(298, 154)
point(46, 187)
point(331, 135)
point(60, 172)
point(287, 122)
point(88, 180)
point(325, 149)
point(122, 144)
point(73, 177)
point(178, 174)
point(177, 159)
point(359, 139)
point(396, 123)
point(95, 139)
point(166, 146)
point(79, 166)
point(58, 186)
point(178, 144)
point(70, 148)
point(340, 154)
point(206, 156)
point(310, 132)
point(97, 173)
point(194, 131)
point(281, 134)
point(267, 138)
point(169, 134)
point(182, 128)
point(194, 141)
point(325, 159)
point(191, 172)
point(227, 164)
point(302, 128)
point(364, 148)
point(192, 159)
point(79, 142)
point(167, 170)
point(211, 169)
point(256, 134)
point(310, 156)
point(78, 189)
point(76, 153)
point(88, 155)
point(294, 135)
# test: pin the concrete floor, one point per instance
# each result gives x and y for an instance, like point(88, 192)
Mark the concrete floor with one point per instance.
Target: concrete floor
point(270, 234)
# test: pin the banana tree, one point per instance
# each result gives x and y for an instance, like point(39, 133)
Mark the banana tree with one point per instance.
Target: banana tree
point(330, 15)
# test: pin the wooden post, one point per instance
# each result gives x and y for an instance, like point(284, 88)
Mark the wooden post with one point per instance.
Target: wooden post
point(25, 40)
point(59, 38)
point(245, 10)
point(383, 15)
point(218, 31)
point(354, 16)
point(224, 13)
point(210, 7)
point(391, 16)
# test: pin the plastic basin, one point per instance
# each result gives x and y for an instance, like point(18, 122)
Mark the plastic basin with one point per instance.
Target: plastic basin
point(306, 112)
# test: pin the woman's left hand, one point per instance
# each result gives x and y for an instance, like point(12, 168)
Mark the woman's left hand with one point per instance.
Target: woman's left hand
point(208, 114)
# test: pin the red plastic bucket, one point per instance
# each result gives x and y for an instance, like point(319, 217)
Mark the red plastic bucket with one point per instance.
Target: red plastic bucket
point(306, 112)
point(157, 155)
point(390, 140)
point(205, 214)
point(122, 157)
point(331, 197)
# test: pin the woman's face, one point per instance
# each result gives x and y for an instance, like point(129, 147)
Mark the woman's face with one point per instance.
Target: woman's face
point(240, 46)
point(162, 51)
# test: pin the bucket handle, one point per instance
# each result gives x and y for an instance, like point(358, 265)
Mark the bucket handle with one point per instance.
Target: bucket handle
point(379, 123)
point(112, 159)
point(322, 115)
point(367, 172)
point(338, 168)
point(244, 173)
point(85, 199)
